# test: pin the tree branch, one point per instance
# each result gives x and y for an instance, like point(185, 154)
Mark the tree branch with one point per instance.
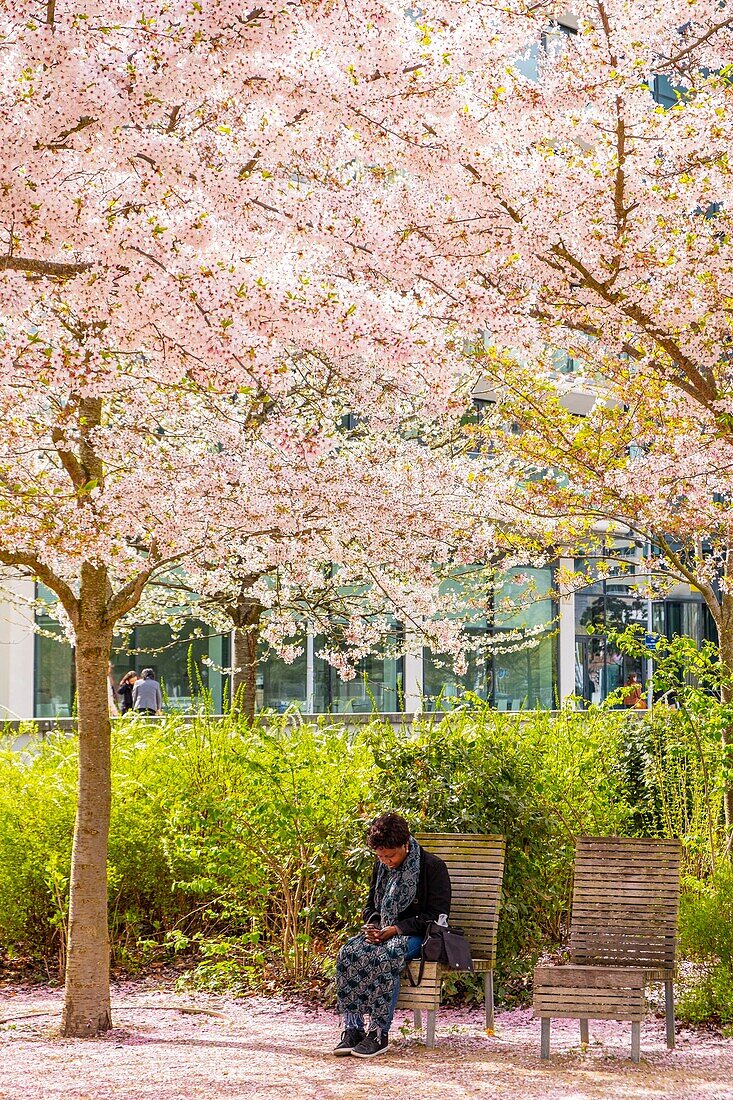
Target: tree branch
point(50, 268)
point(129, 596)
point(58, 143)
point(68, 459)
point(37, 569)
point(694, 45)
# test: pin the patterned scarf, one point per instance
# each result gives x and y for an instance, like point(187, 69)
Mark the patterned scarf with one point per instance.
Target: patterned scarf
point(366, 972)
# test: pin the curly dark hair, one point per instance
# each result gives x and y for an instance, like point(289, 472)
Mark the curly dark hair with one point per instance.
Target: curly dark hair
point(389, 830)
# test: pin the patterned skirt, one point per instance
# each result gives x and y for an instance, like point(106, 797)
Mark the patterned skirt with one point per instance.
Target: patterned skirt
point(365, 977)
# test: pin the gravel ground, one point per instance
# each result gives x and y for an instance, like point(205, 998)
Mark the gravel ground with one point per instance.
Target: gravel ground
point(281, 1051)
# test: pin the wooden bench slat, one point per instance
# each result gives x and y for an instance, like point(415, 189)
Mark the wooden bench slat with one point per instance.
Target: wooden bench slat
point(630, 842)
point(589, 861)
point(620, 958)
point(616, 950)
point(552, 998)
point(596, 938)
point(610, 883)
point(613, 943)
point(590, 976)
point(469, 874)
point(632, 896)
point(614, 851)
point(463, 838)
point(599, 946)
point(637, 1016)
point(598, 995)
point(644, 880)
point(641, 865)
point(481, 871)
point(625, 884)
point(491, 871)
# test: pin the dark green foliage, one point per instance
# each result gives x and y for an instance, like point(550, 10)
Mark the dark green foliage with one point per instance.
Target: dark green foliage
point(674, 759)
point(539, 781)
point(706, 937)
point(241, 850)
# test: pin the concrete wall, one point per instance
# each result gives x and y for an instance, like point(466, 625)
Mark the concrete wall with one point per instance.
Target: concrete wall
point(16, 649)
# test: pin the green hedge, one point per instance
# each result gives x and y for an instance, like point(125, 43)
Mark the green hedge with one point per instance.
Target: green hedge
point(241, 849)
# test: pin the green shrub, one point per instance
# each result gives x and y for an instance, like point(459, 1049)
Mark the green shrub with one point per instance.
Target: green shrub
point(706, 937)
point(675, 760)
point(243, 847)
point(539, 780)
point(37, 806)
point(265, 836)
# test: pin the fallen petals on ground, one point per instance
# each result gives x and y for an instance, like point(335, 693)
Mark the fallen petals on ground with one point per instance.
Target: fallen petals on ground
point(270, 1048)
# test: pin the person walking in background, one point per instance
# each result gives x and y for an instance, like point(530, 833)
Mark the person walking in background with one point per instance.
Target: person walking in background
point(124, 691)
point(147, 697)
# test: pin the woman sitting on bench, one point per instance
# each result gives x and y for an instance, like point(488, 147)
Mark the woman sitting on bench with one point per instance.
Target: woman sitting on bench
point(409, 888)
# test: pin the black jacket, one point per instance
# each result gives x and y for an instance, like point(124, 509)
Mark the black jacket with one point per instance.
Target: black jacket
point(433, 897)
point(124, 693)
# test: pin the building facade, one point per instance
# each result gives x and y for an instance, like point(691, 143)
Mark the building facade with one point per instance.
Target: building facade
point(570, 657)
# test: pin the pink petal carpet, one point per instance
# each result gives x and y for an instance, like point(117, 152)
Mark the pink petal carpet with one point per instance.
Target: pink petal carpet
point(274, 1049)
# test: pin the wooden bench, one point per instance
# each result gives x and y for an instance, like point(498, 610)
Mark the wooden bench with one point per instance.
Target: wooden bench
point(476, 866)
point(623, 934)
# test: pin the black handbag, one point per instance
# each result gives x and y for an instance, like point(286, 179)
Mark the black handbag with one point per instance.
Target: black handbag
point(444, 944)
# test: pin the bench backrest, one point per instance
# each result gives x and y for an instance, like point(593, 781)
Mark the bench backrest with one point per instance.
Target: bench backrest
point(476, 866)
point(625, 899)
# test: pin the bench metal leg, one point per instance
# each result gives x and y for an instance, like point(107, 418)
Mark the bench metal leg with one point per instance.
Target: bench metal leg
point(635, 1041)
point(418, 1019)
point(584, 1033)
point(669, 1011)
point(545, 1039)
point(430, 1029)
point(489, 1000)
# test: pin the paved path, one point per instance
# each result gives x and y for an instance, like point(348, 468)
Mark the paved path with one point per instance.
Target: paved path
point(273, 1050)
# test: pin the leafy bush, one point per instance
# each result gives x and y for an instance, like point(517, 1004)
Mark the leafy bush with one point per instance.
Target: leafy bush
point(243, 847)
point(37, 793)
point(706, 936)
point(219, 834)
point(265, 834)
point(676, 760)
point(539, 780)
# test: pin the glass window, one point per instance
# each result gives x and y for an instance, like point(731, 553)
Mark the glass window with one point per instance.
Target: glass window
point(552, 40)
point(181, 663)
point(377, 685)
point(601, 668)
point(665, 92)
point(689, 617)
point(525, 678)
point(606, 605)
point(444, 688)
point(521, 677)
point(53, 673)
point(53, 664)
point(281, 685)
point(522, 599)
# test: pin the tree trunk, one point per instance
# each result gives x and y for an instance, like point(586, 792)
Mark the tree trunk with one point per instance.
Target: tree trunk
point(87, 999)
point(246, 621)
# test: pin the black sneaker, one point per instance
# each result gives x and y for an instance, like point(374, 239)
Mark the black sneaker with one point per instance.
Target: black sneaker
point(374, 1043)
point(349, 1039)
